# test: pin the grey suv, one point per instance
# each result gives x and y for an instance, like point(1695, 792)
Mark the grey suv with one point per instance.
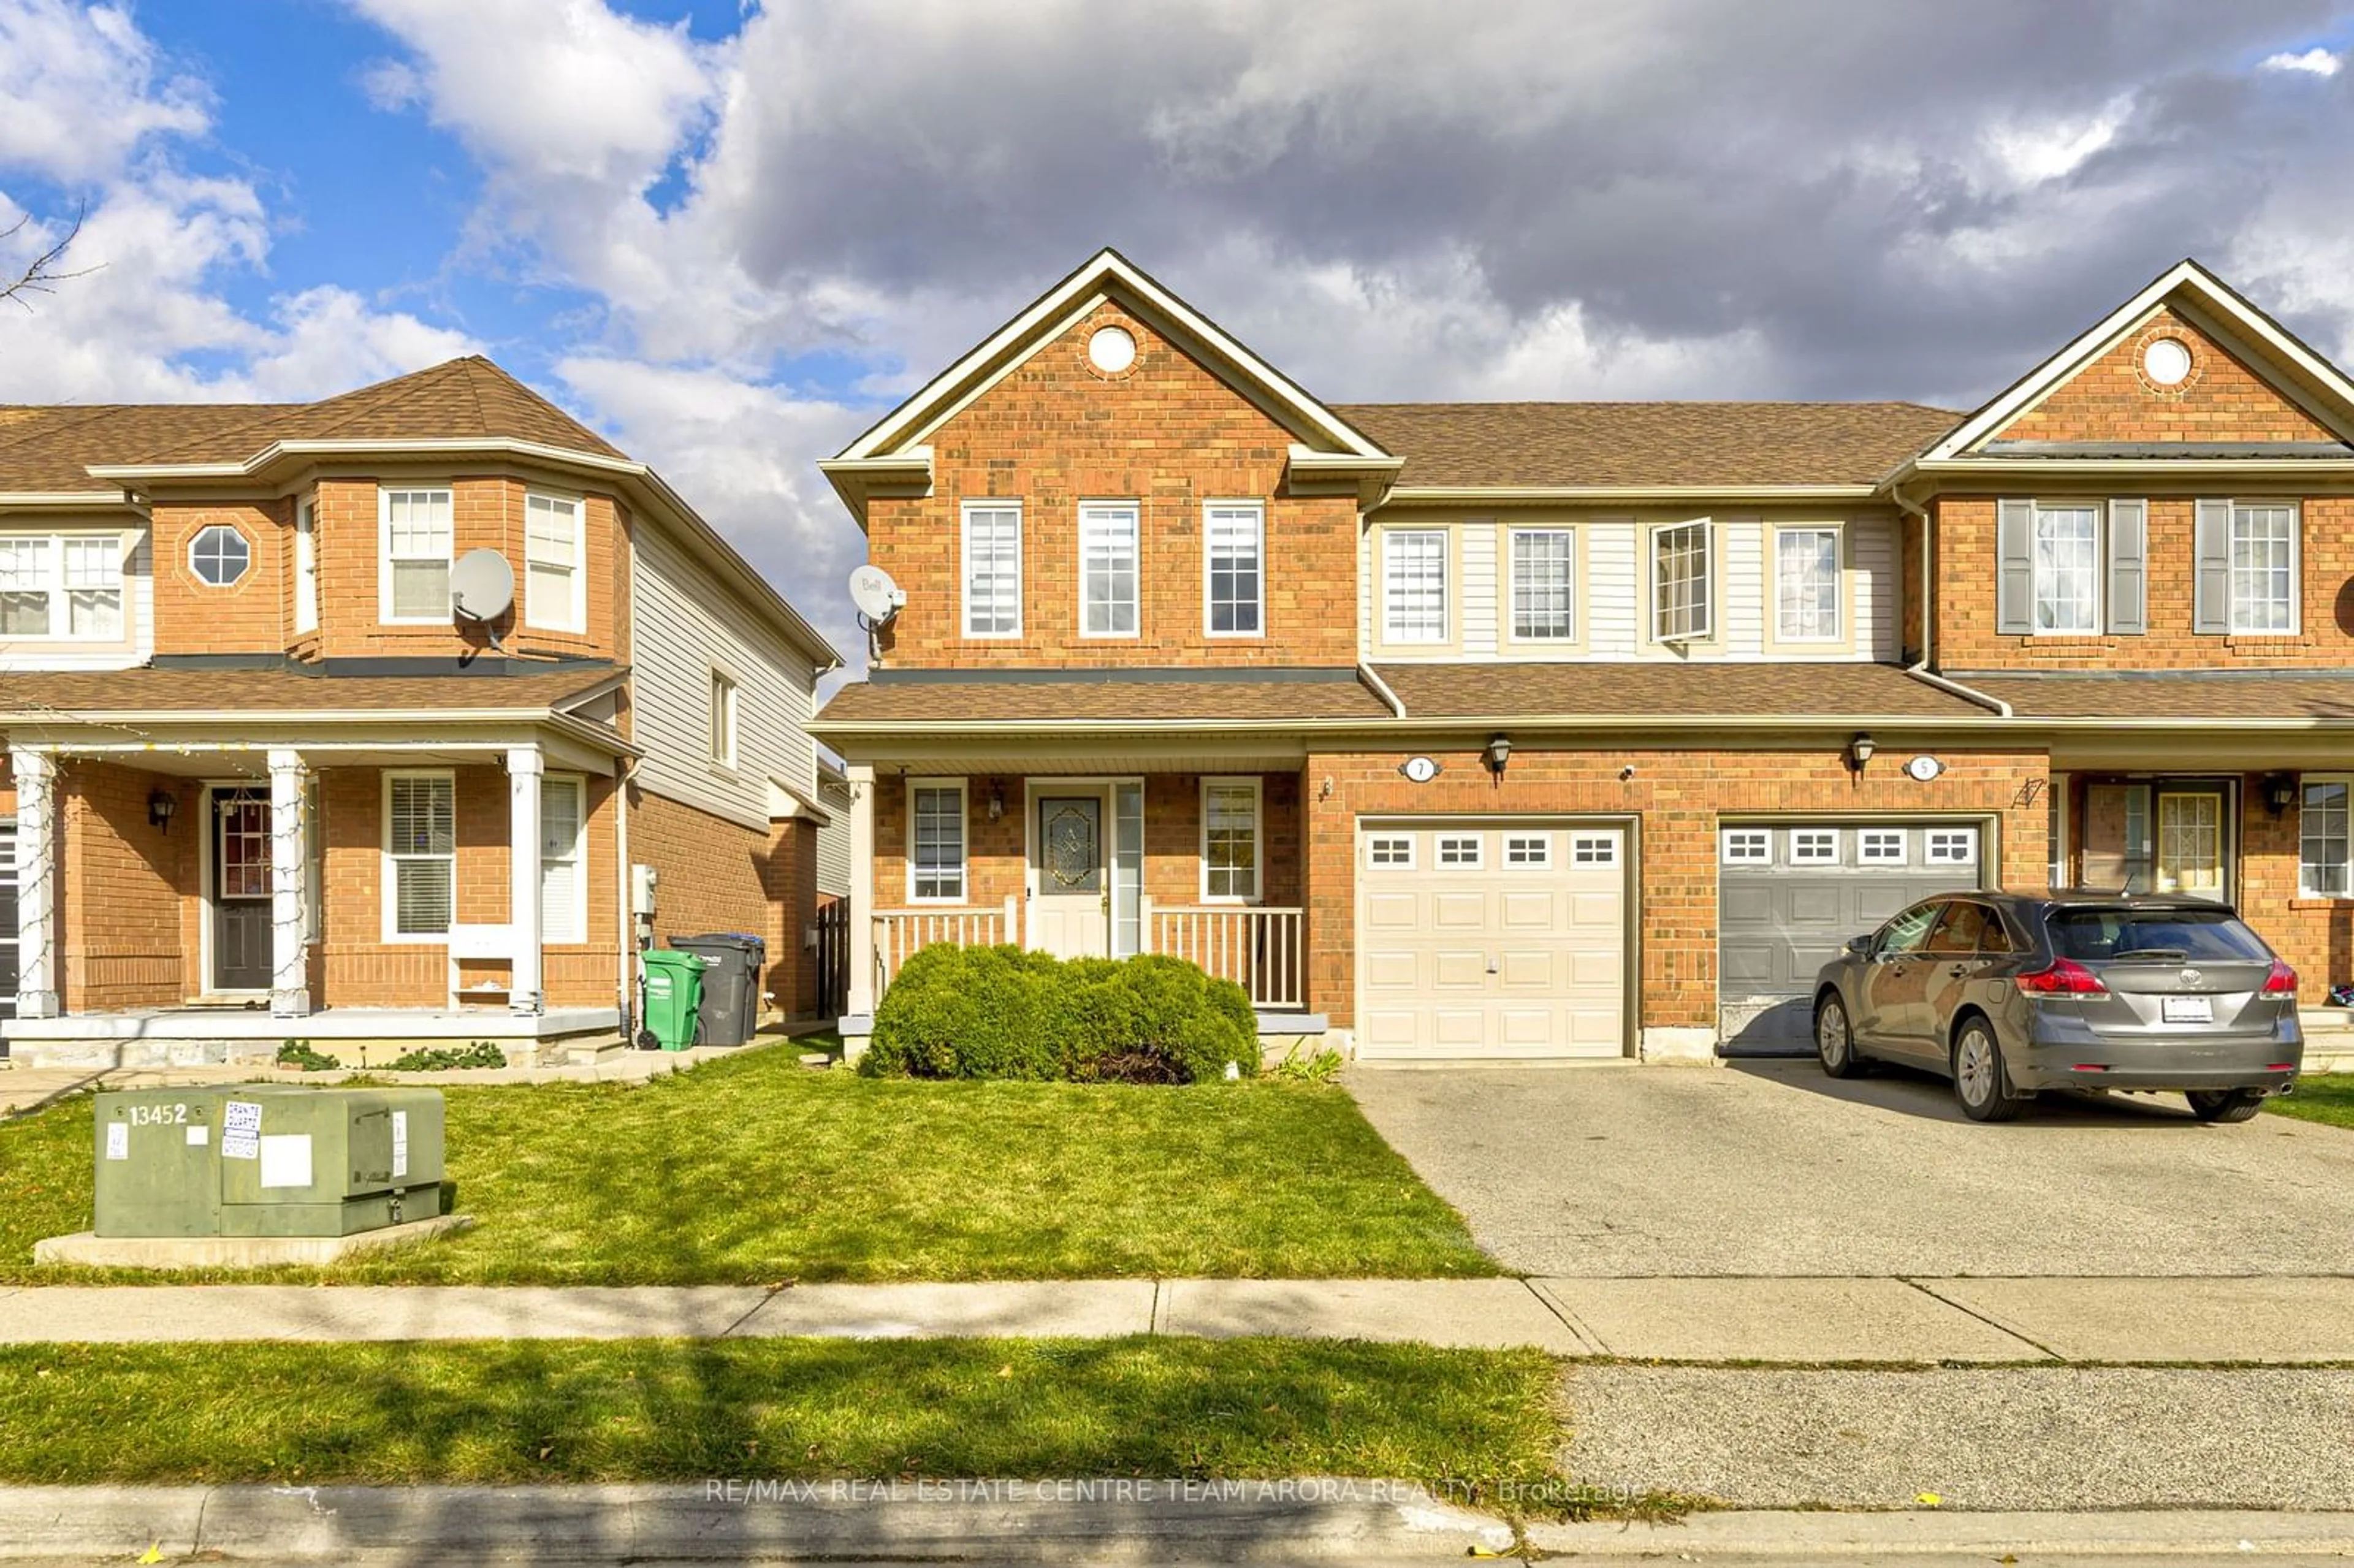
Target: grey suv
point(2007, 995)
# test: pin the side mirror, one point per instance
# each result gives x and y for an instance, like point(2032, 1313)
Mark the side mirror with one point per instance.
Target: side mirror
point(1858, 946)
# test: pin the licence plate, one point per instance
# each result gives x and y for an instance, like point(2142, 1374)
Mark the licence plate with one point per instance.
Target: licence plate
point(2186, 1009)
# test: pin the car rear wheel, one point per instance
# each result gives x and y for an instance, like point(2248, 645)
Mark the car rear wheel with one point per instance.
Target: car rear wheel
point(2225, 1104)
point(1980, 1081)
point(1835, 1040)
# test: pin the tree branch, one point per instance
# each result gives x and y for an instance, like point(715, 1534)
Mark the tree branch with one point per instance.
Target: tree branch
point(42, 274)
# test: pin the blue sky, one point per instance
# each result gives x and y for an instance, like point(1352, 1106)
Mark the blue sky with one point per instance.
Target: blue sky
point(729, 236)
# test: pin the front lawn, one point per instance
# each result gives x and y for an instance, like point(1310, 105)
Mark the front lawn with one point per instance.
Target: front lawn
point(755, 1169)
point(2328, 1097)
point(510, 1413)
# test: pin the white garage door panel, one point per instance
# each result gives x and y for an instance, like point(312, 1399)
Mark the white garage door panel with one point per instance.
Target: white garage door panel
point(1520, 954)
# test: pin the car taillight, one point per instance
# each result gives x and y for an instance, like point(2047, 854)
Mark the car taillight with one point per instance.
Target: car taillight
point(2061, 977)
point(2281, 982)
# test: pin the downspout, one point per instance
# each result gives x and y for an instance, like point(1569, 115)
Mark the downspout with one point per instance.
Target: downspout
point(1380, 688)
point(1919, 669)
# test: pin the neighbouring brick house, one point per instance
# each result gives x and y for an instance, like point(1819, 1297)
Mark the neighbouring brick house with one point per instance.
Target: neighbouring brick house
point(1564, 729)
point(262, 781)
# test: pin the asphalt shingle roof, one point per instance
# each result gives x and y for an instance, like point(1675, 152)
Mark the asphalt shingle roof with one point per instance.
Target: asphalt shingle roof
point(1050, 700)
point(174, 690)
point(1671, 692)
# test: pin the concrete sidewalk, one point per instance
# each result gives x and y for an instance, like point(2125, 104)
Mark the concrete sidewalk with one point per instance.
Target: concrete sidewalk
point(2270, 1320)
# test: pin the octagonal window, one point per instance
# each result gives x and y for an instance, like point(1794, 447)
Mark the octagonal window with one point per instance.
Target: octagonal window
point(219, 556)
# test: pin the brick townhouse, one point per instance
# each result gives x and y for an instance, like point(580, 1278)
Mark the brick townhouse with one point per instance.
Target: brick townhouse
point(1531, 730)
point(267, 778)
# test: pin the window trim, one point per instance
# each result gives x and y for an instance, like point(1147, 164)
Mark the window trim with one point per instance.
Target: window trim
point(1904, 837)
point(1712, 635)
point(578, 782)
point(2100, 602)
point(2295, 510)
point(1477, 840)
point(964, 567)
point(1449, 604)
point(196, 538)
point(1405, 838)
point(60, 593)
point(1508, 632)
point(388, 864)
point(384, 556)
point(1541, 837)
point(306, 565)
point(723, 720)
point(1929, 839)
point(1258, 788)
point(963, 895)
point(1613, 840)
point(2305, 782)
point(1133, 511)
point(1842, 639)
point(1257, 509)
point(1724, 856)
point(576, 609)
point(1790, 839)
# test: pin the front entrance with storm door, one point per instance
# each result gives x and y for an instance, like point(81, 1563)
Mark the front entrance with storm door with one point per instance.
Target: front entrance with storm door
point(2154, 835)
point(1087, 857)
point(239, 868)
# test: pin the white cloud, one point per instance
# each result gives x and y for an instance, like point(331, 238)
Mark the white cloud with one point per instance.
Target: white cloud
point(83, 87)
point(2312, 62)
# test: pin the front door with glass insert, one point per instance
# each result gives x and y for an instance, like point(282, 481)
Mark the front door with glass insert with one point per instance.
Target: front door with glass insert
point(240, 852)
point(2189, 858)
point(1070, 913)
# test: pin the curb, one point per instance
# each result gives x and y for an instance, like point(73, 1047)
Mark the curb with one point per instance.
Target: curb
point(2207, 1534)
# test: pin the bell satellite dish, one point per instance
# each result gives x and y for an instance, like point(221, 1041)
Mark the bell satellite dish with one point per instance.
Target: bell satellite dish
point(482, 585)
point(879, 599)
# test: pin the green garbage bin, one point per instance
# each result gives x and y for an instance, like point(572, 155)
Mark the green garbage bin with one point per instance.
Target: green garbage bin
point(674, 998)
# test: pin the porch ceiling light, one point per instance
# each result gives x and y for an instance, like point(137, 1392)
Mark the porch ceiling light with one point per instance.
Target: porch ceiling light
point(1860, 750)
point(1499, 753)
point(161, 804)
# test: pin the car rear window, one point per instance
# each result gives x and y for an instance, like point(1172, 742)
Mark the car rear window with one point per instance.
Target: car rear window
point(2091, 934)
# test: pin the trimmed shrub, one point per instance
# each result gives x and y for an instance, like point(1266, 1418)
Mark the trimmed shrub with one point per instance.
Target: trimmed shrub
point(1006, 1012)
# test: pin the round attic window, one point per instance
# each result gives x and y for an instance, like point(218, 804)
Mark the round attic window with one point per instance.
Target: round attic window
point(1111, 350)
point(2166, 362)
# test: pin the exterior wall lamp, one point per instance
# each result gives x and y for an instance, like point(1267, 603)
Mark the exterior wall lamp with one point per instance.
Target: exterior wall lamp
point(996, 801)
point(161, 804)
point(1499, 753)
point(2280, 793)
point(1860, 750)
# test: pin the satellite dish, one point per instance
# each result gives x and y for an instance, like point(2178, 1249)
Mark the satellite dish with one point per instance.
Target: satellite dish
point(879, 599)
point(482, 585)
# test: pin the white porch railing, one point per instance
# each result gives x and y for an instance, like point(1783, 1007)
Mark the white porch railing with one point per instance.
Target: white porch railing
point(1257, 946)
point(900, 932)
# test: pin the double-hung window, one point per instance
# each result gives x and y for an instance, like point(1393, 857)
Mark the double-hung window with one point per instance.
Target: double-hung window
point(1543, 580)
point(420, 851)
point(555, 587)
point(1683, 583)
point(1807, 596)
point(1234, 551)
point(935, 843)
point(2322, 855)
point(993, 569)
point(1108, 569)
point(1230, 838)
point(2264, 568)
point(418, 540)
point(563, 867)
point(61, 587)
point(1414, 585)
point(2067, 556)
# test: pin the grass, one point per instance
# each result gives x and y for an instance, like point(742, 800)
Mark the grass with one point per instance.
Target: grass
point(658, 1410)
point(2326, 1097)
point(755, 1169)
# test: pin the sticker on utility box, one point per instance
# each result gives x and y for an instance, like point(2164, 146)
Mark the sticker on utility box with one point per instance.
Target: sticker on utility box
point(241, 1130)
point(198, 1135)
point(117, 1141)
point(399, 1144)
point(286, 1160)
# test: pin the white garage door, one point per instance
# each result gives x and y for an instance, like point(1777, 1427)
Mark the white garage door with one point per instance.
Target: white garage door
point(1495, 939)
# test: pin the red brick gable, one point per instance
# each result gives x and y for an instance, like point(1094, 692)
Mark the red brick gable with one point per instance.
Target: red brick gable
point(2224, 399)
point(1170, 433)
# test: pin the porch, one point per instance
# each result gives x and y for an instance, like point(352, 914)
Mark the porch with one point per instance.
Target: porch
point(1201, 866)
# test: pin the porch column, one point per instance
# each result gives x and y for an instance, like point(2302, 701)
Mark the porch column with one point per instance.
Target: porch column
point(36, 883)
point(290, 980)
point(525, 766)
point(861, 1002)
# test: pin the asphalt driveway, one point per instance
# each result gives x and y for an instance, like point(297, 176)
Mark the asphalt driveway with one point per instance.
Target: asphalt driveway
point(1769, 1167)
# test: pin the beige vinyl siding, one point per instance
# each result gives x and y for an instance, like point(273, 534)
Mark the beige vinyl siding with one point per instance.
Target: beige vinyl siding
point(1616, 589)
point(1879, 595)
point(1741, 597)
point(683, 624)
point(1482, 585)
point(833, 851)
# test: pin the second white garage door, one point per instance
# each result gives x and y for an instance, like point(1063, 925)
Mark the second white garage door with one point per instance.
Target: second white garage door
point(1490, 940)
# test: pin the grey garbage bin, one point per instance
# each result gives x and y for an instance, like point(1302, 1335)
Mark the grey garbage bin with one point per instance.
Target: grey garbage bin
point(731, 987)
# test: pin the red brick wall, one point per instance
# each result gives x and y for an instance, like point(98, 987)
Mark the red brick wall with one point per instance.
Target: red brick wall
point(789, 881)
point(718, 875)
point(1967, 639)
point(249, 616)
point(1678, 796)
point(2110, 400)
point(1169, 434)
point(124, 888)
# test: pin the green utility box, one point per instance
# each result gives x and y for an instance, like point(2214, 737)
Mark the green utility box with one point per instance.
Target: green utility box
point(674, 996)
point(266, 1160)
